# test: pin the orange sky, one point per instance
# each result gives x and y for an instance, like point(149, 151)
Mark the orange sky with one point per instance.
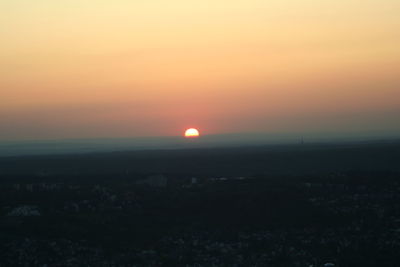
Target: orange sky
point(82, 69)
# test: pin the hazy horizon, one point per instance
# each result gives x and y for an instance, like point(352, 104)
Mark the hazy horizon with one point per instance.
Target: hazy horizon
point(91, 145)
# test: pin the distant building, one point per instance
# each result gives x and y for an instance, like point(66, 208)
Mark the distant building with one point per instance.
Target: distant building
point(157, 180)
point(24, 211)
point(154, 180)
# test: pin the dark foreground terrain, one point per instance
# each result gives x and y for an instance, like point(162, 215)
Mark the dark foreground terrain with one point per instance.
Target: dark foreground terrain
point(310, 205)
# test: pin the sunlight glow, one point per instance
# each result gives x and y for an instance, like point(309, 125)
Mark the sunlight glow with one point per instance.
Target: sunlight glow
point(192, 132)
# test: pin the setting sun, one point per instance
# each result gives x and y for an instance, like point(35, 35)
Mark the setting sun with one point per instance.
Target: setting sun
point(192, 132)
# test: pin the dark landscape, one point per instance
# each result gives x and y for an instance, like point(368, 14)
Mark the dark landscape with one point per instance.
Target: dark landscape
point(276, 205)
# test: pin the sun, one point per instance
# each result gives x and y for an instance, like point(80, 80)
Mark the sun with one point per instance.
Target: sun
point(192, 133)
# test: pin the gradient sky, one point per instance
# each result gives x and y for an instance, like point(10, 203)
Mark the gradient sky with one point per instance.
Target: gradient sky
point(123, 68)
